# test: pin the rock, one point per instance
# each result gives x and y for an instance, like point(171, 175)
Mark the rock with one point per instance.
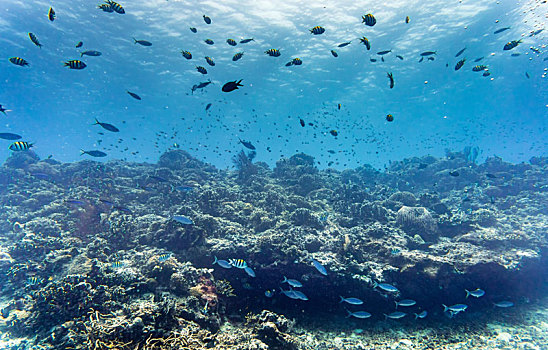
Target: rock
point(417, 220)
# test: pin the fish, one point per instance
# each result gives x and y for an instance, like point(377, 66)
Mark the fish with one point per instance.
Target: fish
point(75, 64)
point(296, 61)
point(268, 293)
point(105, 8)
point(107, 126)
point(344, 44)
point(238, 263)
point(460, 64)
point(201, 69)
point(478, 59)
point(222, 263)
point(405, 302)
point(373, 59)
point(9, 135)
point(289, 293)
point(460, 52)
point(334, 132)
point(20, 146)
point(478, 293)
point(504, 304)
point(90, 53)
point(202, 85)
point(358, 314)
point(486, 73)
point(454, 173)
point(391, 77)
point(406, 19)
point(249, 271)
point(389, 118)
point(93, 153)
point(321, 269)
point(51, 14)
point(366, 42)
point(527, 75)
point(395, 315)
point(422, 59)
point(536, 32)
point(302, 122)
point(293, 283)
point(245, 41)
point(116, 7)
point(423, 314)
point(501, 30)
point(182, 219)
point(386, 287)
point(231, 42)
point(210, 61)
point(237, 56)
point(300, 295)
point(400, 57)
point(317, 30)
point(206, 309)
point(511, 44)
point(134, 95)
point(142, 42)
point(534, 49)
point(455, 308)
point(479, 68)
point(273, 52)
point(18, 61)
point(383, 52)
point(428, 53)
point(351, 301)
point(369, 20)
point(32, 281)
point(117, 264)
point(430, 58)
point(382, 58)
point(209, 41)
point(193, 30)
point(186, 54)
point(208, 106)
point(491, 176)
point(34, 40)
point(79, 44)
point(247, 144)
point(231, 85)
point(334, 53)
point(207, 19)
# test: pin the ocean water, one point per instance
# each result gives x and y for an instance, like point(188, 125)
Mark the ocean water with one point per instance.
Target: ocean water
point(185, 233)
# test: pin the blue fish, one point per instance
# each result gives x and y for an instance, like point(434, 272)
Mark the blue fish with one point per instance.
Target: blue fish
point(395, 315)
point(421, 315)
point(504, 304)
point(292, 282)
point(182, 219)
point(249, 271)
point(300, 295)
point(405, 302)
point(352, 301)
point(478, 293)
point(222, 263)
point(319, 267)
point(358, 314)
point(164, 257)
point(289, 293)
point(386, 287)
point(454, 308)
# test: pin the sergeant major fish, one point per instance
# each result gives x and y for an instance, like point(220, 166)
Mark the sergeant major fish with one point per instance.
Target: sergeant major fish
point(20, 146)
point(34, 40)
point(238, 263)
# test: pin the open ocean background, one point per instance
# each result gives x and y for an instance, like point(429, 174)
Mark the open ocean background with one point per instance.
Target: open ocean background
point(504, 114)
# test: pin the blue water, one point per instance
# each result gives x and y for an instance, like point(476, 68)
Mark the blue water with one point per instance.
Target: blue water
point(504, 114)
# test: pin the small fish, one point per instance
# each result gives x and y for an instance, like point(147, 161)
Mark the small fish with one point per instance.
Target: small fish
point(107, 126)
point(34, 40)
point(245, 41)
point(501, 30)
point(366, 42)
point(430, 58)
point(209, 41)
point(247, 144)
point(80, 44)
point(75, 64)
point(317, 30)
point(293, 283)
point(296, 61)
point(369, 20)
point(268, 293)
point(301, 122)
point(93, 153)
point(206, 309)
point(142, 42)
point(491, 176)
point(222, 263)
point(90, 53)
point(210, 61)
point(380, 53)
point(3, 110)
point(116, 7)
point(105, 8)
point(389, 118)
point(428, 53)
point(237, 56)
point(334, 53)
point(325, 215)
point(207, 19)
point(460, 64)
point(186, 54)
point(201, 69)
point(273, 52)
point(478, 293)
point(406, 19)
point(454, 308)
point(20, 146)
point(454, 173)
point(405, 302)
point(231, 42)
point(504, 304)
point(289, 293)
point(479, 68)
point(400, 57)
point(238, 263)
point(321, 269)
point(117, 264)
point(32, 281)
point(344, 44)
point(134, 95)
point(182, 219)
point(460, 52)
point(382, 59)
point(386, 287)
point(351, 301)
point(373, 59)
point(478, 59)
point(193, 30)
point(511, 44)
point(527, 75)
point(249, 271)
point(231, 85)
point(334, 132)
point(534, 49)
point(300, 295)
point(536, 32)
point(422, 59)
point(51, 14)
point(395, 315)
point(421, 315)
point(486, 73)
point(9, 135)
point(18, 61)
point(358, 314)
point(208, 106)
point(395, 251)
point(389, 75)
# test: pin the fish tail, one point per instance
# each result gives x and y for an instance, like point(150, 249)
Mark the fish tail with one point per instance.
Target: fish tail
point(238, 83)
point(82, 152)
point(416, 315)
point(96, 122)
point(285, 279)
point(135, 40)
point(467, 293)
point(375, 284)
point(385, 316)
point(81, 54)
point(342, 299)
point(396, 304)
point(214, 261)
point(348, 313)
point(445, 308)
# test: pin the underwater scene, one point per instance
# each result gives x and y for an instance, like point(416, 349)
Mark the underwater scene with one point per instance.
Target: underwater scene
point(250, 175)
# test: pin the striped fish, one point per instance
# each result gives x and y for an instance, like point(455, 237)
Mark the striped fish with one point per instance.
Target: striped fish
point(237, 56)
point(51, 14)
point(117, 264)
point(209, 41)
point(20, 146)
point(201, 69)
point(479, 68)
point(164, 257)
point(210, 61)
point(369, 20)
point(366, 43)
point(186, 54)
point(231, 42)
point(317, 30)
point(34, 39)
point(273, 52)
point(18, 61)
point(105, 7)
point(75, 64)
point(116, 7)
point(238, 263)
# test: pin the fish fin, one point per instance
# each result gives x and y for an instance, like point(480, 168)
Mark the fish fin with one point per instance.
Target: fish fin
point(416, 315)
point(396, 304)
point(385, 316)
point(83, 152)
point(467, 293)
point(214, 261)
point(445, 308)
point(349, 314)
point(342, 299)
point(285, 279)
point(81, 54)
point(375, 284)
point(135, 40)
point(238, 83)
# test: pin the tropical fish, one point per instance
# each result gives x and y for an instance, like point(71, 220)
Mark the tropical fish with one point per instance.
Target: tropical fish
point(237, 56)
point(34, 40)
point(222, 263)
point(75, 64)
point(504, 304)
point(209, 41)
point(3, 110)
point(20, 146)
point(536, 32)
point(460, 64)
point(366, 42)
point(479, 68)
point(273, 52)
point(116, 7)
point(395, 315)
point(289, 293)
point(247, 144)
point(107, 126)
point(134, 95)
point(400, 57)
point(117, 264)
point(32, 281)
point(421, 315)
point(301, 122)
point(105, 7)
point(534, 49)
point(184, 188)
point(428, 53)
point(352, 301)
point(344, 44)
point(142, 42)
point(210, 61)
point(389, 118)
point(193, 30)
point(293, 283)
point(527, 75)
point(79, 44)
point(406, 19)
point(501, 30)
point(231, 85)
point(334, 132)
point(369, 20)
point(422, 59)
point(511, 44)
point(373, 59)
point(358, 314)
point(486, 73)
point(334, 53)
point(317, 30)
point(405, 302)
point(93, 153)
point(430, 58)
point(18, 61)
point(300, 295)
point(454, 173)
point(90, 53)
point(9, 136)
point(51, 14)
point(383, 52)
point(231, 42)
point(201, 69)
point(454, 308)
point(460, 52)
point(207, 19)
point(238, 263)
point(245, 41)
point(249, 271)
point(182, 219)
point(208, 106)
point(391, 78)
point(321, 269)
point(186, 54)
point(478, 293)
point(296, 61)
point(386, 287)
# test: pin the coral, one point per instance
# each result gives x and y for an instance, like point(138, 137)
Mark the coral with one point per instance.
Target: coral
point(244, 165)
point(406, 198)
point(417, 220)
